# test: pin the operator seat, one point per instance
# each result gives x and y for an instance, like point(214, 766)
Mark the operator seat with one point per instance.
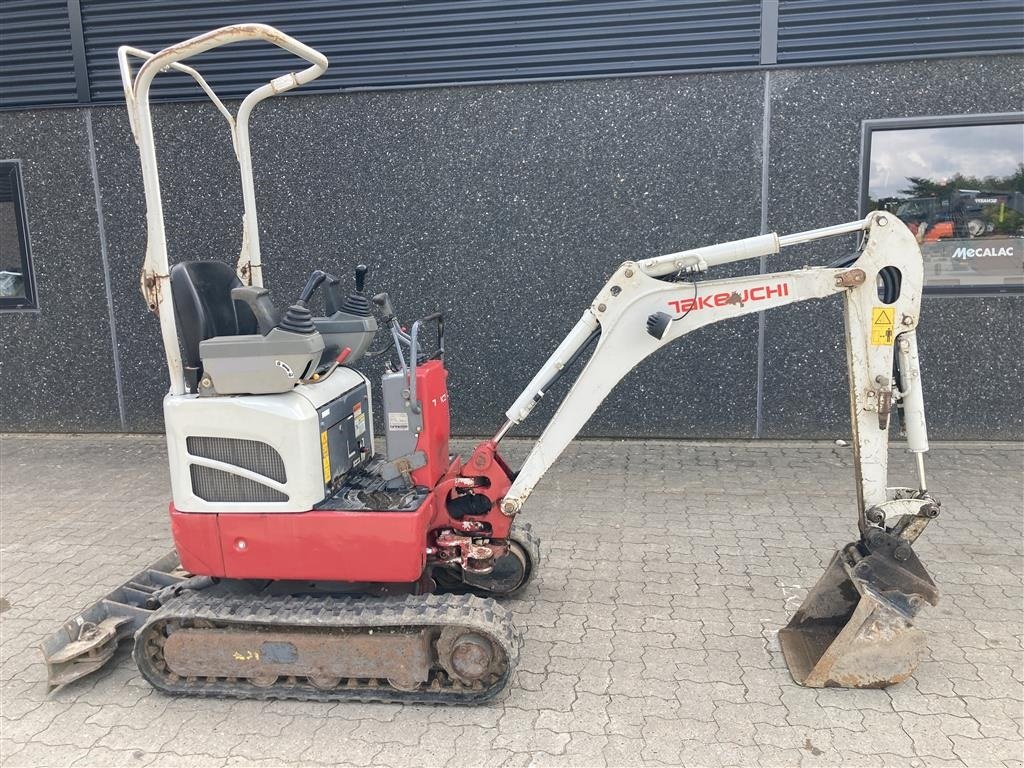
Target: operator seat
point(203, 309)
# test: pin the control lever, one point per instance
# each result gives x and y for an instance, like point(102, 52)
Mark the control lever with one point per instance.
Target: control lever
point(332, 295)
point(356, 303)
point(400, 337)
point(297, 318)
point(383, 301)
point(312, 284)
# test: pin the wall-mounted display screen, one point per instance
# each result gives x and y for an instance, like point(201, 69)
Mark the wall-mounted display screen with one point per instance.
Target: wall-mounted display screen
point(959, 187)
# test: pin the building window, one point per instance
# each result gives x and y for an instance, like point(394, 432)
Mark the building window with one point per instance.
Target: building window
point(958, 184)
point(17, 284)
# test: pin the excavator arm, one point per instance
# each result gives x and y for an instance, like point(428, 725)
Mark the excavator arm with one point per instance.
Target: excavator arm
point(639, 310)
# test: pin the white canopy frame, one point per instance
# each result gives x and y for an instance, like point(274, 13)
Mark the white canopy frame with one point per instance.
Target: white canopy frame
point(155, 271)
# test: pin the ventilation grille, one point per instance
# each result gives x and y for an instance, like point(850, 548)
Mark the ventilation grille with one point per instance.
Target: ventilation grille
point(36, 63)
point(248, 454)
point(214, 485)
point(375, 44)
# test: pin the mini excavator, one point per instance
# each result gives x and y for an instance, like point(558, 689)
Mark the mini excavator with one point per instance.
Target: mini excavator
point(310, 564)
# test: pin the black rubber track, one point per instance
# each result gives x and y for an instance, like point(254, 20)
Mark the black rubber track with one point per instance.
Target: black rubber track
point(522, 533)
point(476, 614)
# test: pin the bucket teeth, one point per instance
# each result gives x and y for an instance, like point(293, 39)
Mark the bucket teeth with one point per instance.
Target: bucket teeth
point(855, 627)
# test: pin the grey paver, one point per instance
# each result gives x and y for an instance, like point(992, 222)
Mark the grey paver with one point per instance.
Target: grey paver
point(650, 634)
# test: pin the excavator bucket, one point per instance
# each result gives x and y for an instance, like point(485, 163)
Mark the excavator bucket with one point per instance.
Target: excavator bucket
point(855, 627)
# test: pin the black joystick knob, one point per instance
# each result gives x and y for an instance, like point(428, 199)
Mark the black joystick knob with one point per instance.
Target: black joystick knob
point(297, 319)
point(356, 303)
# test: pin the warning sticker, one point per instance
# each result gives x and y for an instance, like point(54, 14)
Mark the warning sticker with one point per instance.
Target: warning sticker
point(882, 325)
point(325, 453)
point(359, 419)
point(398, 421)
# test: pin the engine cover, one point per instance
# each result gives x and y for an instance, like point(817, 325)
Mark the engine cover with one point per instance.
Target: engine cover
point(267, 453)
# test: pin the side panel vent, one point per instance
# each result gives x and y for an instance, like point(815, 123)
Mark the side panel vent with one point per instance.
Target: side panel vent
point(215, 485)
point(248, 454)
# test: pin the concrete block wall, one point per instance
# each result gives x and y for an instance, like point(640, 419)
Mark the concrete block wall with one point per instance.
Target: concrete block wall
point(507, 206)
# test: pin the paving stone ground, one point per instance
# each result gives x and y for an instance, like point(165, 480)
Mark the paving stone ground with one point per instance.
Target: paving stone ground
point(650, 634)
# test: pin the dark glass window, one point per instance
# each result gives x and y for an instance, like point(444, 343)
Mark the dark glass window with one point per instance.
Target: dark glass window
point(17, 285)
point(958, 184)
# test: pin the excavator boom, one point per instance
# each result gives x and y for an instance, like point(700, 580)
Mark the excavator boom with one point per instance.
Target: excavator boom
point(833, 640)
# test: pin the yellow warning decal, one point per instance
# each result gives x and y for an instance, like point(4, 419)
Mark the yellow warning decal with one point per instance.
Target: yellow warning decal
point(882, 325)
point(326, 454)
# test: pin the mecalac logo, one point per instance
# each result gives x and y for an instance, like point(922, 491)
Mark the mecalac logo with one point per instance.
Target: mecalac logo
point(980, 253)
point(758, 293)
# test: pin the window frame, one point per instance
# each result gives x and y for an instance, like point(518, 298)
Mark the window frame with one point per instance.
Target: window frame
point(29, 302)
point(868, 127)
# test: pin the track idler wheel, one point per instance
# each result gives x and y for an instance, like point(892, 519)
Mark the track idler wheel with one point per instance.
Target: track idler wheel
point(855, 627)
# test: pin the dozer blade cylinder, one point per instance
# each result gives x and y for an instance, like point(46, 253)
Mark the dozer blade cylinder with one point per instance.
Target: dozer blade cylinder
point(87, 641)
point(855, 627)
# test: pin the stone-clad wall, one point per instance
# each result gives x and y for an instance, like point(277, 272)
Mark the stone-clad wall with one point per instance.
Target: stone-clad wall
point(971, 347)
point(507, 206)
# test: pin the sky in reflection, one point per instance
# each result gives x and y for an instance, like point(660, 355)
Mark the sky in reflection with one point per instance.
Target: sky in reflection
point(939, 153)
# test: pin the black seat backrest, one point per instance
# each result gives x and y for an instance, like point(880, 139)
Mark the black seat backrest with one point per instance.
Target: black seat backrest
point(203, 306)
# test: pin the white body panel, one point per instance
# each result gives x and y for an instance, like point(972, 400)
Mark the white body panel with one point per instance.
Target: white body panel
point(289, 422)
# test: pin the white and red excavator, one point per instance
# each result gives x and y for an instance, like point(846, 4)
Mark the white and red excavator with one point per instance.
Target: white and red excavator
point(312, 562)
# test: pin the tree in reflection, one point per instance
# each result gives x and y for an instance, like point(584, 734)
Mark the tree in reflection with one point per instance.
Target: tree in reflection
point(924, 187)
point(960, 206)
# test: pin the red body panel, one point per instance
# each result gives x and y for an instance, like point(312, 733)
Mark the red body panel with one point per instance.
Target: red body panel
point(315, 545)
point(197, 539)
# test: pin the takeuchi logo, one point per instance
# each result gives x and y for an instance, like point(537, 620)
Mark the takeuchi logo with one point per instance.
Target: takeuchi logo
point(758, 293)
point(963, 252)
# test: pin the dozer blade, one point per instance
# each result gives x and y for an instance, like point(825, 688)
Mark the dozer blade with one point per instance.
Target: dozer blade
point(855, 627)
point(88, 640)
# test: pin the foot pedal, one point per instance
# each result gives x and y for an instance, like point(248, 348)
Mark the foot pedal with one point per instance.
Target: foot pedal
point(855, 627)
